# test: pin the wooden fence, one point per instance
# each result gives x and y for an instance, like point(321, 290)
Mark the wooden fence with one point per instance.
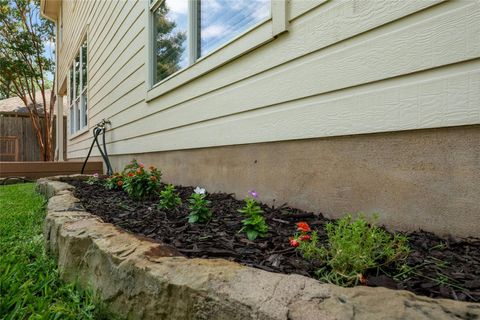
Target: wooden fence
point(16, 131)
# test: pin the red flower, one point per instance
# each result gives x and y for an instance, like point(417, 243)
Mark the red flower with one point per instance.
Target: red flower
point(294, 243)
point(120, 183)
point(303, 226)
point(131, 174)
point(305, 237)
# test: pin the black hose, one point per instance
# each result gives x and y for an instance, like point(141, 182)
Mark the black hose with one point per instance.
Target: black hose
point(17, 179)
point(89, 151)
point(99, 128)
point(107, 160)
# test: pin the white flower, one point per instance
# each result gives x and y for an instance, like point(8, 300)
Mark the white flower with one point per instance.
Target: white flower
point(199, 190)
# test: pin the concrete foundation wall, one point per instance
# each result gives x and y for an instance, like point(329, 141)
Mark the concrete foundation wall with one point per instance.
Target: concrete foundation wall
point(428, 179)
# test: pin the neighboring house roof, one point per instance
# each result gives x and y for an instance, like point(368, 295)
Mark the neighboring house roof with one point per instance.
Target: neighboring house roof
point(16, 105)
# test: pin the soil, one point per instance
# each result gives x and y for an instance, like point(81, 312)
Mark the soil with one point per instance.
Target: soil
point(440, 267)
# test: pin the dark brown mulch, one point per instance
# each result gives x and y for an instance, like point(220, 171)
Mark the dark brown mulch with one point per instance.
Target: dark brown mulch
point(444, 268)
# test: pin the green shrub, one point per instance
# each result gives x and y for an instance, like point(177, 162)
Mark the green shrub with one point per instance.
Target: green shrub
point(114, 182)
point(254, 225)
point(353, 247)
point(169, 199)
point(199, 207)
point(139, 182)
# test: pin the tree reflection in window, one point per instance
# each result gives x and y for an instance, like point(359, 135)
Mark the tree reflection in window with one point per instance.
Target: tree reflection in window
point(170, 27)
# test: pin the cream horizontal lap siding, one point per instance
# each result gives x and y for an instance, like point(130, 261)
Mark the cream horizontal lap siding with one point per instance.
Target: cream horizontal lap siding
point(343, 67)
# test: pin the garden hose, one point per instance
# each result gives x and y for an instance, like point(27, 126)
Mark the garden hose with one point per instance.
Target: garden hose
point(14, 180)
point(100, 128)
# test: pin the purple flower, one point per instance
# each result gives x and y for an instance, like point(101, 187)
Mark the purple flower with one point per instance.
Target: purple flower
point(253, 193)
point(96, 175)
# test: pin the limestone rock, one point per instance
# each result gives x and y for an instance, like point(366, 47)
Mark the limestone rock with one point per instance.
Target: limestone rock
point(49, 188)
point(142, 279)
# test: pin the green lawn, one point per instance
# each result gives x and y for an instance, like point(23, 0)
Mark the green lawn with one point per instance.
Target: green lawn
point(30, 287)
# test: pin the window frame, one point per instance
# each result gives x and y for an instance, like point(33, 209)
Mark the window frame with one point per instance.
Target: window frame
point(252, 38)
point(78, 104)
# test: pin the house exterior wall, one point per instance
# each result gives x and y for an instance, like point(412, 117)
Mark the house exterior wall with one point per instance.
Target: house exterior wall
point(344, 67)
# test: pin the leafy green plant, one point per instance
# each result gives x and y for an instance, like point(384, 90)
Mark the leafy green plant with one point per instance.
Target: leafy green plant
point(254, 225)
point(353, 247)
point(199, 207)
point(131, 167)
point(169, 199)
point(114, 182)
point(139, 182)
point(93, 179)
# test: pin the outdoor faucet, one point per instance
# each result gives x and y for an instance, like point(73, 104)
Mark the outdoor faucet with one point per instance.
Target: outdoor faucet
point(103, 124)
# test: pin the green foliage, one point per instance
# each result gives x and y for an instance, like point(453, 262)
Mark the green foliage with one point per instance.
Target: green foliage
point(25, 64)
point(254, 225)
point(199, 208)
point(93, 179)
point(353, 247)
point(169, 199)
point(131, 167)
point(114, 182)
point(30, 287)
point(23, 36)
point(139, 182)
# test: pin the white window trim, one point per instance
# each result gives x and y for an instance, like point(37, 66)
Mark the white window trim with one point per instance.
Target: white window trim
point(83, 127)
point(258, 35)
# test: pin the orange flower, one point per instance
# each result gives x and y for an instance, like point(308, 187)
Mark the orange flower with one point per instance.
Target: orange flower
point(303, 226)
point(152, 168)
point(139, 170)
point(153, 178)
point(120, 183)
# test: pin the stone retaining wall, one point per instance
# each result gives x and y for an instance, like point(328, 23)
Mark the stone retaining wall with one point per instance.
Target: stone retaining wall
point(142, 279)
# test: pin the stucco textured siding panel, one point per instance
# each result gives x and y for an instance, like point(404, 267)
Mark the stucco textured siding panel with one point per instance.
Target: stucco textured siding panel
point(421, 179)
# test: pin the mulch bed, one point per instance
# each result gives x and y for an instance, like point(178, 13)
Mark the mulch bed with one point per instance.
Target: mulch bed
point(445, 268)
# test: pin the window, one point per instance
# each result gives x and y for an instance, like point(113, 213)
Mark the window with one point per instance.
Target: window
point(184, 31)
point(78, 107)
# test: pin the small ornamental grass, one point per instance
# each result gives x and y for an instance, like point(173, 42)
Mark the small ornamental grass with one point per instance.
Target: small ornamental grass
point(254, 225)
point(353, 247)
point(199, 207)
point(169, 199)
